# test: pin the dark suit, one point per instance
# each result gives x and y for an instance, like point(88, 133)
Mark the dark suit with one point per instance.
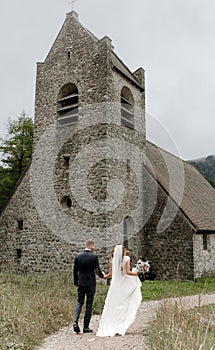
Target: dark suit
point(85, 266)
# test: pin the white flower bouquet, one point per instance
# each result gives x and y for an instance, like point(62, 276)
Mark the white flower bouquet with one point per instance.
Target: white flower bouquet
point(141, 266)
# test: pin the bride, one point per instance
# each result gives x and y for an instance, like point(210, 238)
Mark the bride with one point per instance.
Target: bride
point(123, 298)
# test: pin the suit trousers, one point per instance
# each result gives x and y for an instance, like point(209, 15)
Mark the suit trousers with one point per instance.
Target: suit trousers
point(89, 293)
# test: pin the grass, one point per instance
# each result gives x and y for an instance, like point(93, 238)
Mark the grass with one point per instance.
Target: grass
point(32, 307)
point(153, 290)
point(178, 329)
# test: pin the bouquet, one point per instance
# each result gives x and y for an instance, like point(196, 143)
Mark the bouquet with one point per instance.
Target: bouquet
point(141, 266)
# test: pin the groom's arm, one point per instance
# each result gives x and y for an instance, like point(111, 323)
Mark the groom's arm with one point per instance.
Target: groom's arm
point(109, 275)
point(97, 268)
point(75, 272)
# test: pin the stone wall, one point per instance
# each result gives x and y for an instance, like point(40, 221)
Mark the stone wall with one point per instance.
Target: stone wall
point(41, 251)
point(204, 258)
point(58, 211)
point(98, 136)
point(171, 251)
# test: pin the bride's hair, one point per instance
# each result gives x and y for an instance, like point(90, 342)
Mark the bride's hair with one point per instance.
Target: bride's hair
point(112, 251)
point(123, 251)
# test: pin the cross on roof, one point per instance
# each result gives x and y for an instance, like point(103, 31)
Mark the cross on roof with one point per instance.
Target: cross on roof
point(73, 4)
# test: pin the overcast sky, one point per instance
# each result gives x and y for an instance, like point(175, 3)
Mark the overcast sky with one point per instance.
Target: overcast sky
point(173, 40)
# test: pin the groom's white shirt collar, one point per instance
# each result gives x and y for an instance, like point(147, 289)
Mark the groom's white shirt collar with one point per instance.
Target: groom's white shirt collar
point(87, 249)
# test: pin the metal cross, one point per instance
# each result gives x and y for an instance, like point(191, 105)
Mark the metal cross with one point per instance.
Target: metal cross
point(72, 3)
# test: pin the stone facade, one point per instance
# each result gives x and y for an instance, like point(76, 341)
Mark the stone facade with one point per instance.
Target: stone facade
point(89, 177)
point(170, 251)
point(40, 251)
point(50, 201)
point(204, 261)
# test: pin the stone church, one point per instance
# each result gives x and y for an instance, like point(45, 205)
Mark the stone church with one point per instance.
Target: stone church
point(94, 175)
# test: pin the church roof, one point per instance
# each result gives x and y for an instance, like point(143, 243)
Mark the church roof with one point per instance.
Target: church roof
point(187, 187)
point(120, 66)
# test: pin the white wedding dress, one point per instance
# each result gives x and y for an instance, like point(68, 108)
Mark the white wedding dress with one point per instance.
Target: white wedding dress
point(123, 299)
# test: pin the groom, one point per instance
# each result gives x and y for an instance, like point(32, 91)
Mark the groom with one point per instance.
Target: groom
point(85, 266)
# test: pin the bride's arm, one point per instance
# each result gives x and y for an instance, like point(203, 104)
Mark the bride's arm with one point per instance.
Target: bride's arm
point(128, 270)
point(109, 275)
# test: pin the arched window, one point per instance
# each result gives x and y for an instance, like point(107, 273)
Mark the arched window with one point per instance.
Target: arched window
point(127, 107)
point(128, 230)
point(67, 108)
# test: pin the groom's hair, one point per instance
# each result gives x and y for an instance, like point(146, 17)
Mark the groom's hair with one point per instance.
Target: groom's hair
point(89, 243)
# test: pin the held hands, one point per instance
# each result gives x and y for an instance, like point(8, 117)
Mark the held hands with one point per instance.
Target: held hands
point(133, 273)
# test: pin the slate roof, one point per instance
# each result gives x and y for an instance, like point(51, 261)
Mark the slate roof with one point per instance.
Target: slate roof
point(120, 66)
point(188, 188)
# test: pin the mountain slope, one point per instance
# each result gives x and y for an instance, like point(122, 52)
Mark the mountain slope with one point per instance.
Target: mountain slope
point(206, 166)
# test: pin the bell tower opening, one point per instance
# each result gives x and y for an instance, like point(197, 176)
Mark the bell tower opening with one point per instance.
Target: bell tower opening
point(67, 105)
point(127, 108)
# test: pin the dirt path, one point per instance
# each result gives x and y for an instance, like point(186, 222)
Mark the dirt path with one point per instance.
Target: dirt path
point(134, 338)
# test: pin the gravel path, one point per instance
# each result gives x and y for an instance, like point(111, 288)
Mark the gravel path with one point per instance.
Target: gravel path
point(134, 338)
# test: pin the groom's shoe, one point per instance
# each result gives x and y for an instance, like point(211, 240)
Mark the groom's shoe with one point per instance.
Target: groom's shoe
point(87, 330)
point(76, 327)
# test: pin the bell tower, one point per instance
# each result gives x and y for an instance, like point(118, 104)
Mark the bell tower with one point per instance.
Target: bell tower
point(89, 141)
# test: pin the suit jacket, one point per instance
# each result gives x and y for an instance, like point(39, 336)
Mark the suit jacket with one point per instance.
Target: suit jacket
point(85, 266)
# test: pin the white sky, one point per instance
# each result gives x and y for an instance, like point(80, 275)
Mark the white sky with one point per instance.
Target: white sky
point(174, 40)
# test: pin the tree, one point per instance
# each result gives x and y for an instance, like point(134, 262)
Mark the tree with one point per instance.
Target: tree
point(16, 149)
point(7, 184)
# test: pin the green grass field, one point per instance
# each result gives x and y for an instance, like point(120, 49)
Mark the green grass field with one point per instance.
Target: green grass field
point(153, 290)
point(32, 307)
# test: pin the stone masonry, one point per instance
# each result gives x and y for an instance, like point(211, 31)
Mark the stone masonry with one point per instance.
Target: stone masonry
point(57, 222)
